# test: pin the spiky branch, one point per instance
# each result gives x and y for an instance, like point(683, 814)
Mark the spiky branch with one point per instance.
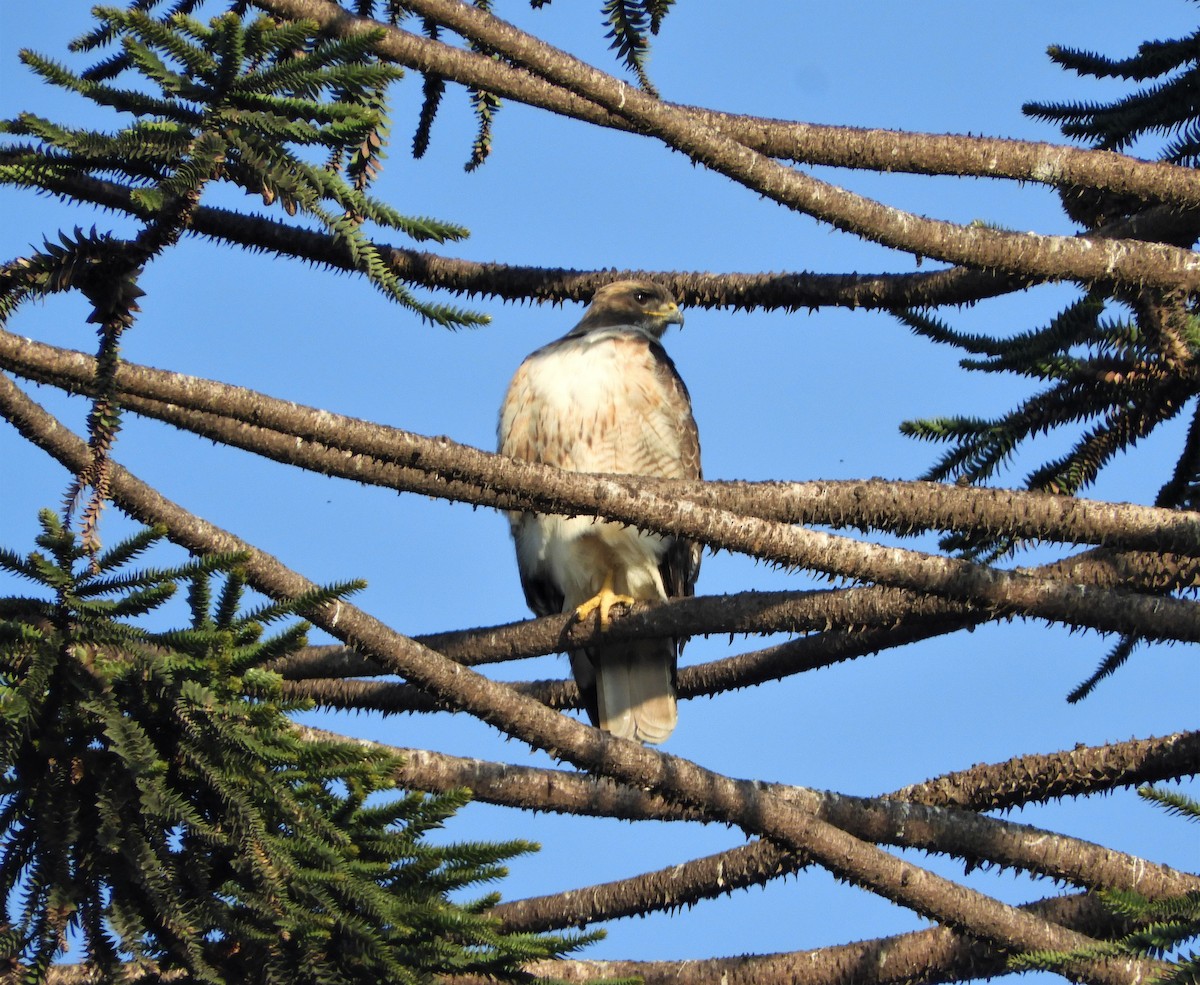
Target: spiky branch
point(917, 596)
point(718, 797)
point(1038, 256)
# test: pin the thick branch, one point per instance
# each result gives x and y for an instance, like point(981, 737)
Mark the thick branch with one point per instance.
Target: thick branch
point(876, 619)
point(1004, 593)
point(926, 956)
point(1025, 780)
point(721, 798)
point(850, 147)
point(439, 467)
point(1086, 260)
point(926, 826)
point(747, 612)
point(895, 506)
point(750, 291)
point(706, 679)
point(1033, 779)
point(513, 282)
point(891, 617)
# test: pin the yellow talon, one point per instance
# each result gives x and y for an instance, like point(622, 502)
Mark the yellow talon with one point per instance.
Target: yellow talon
point(603, 600)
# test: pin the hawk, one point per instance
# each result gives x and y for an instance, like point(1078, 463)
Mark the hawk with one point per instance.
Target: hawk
point(607, 398)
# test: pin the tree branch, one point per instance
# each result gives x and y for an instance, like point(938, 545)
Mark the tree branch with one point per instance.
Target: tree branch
point(749, 291)
point(876, 619)
point(1003, 593)
point(1040, 778)
point(441, 468)
point(1021, 781)
point(721, 798)
point(1086, 260)
point(804, 143)
point(756, 613)
point(926, 826)
point(742, 613)
point(926, 956)
point(1032, 779)
point(866, 504)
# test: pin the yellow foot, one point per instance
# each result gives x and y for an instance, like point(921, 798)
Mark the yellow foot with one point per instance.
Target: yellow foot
point(603, 600)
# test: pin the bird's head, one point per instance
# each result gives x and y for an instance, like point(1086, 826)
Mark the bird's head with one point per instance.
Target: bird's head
point(639, 304)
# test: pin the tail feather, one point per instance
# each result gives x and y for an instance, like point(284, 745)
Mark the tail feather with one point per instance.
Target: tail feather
point(635, 690)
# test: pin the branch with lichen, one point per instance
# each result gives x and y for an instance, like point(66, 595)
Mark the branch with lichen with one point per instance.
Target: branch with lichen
point(803, 143)
point(934, 955)
point(916, 818)
point(513, 282)
point(439, 467)
point(1039, 256)
point(876, 619)
point(720, 798)
point(866, 504)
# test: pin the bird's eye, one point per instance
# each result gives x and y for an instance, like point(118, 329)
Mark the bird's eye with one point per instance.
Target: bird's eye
point(641, 297)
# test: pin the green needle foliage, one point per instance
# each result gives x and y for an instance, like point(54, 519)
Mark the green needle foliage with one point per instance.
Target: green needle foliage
point(275, 110)
point(157, 807)
point(1159, 928)
point(1165, 106)
point(1106, 371)
point(1111, 367)
point(629, 24)
point(1123, 364)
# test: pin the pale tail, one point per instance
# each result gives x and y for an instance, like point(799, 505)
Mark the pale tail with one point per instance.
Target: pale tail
point(634, 691)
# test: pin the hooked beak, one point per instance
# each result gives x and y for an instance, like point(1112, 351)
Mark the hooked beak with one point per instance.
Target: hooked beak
point(670, 314)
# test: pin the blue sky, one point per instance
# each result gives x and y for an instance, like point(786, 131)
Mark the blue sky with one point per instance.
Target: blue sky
point(800, 396)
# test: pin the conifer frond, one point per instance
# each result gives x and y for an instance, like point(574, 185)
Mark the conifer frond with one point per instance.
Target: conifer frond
point(1176, 803)
point(628, 25)
point(433, 88)
point(1116, 658)
point(122, 100)
point(158, 804)
point(275, 611)
point(104, 579)
point(1124, 424)
point(16, 564)
point(1165, 105)
point(629, 22)
point(1153, 58)
point(234, 100)
point(180, 38)
point(366, 160)
point(657, 9)
point(1182, 490)
point(927, 326)
point(269, 41)
point(1114, 373)
point(485, 106)
point(229, 602)
point(149, 64)
point(1184, 148)
point(1106, 372)
point(1100, 370)
point(128, 549)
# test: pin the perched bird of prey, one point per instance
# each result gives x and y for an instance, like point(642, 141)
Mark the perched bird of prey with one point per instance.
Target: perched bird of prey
point(607, 398)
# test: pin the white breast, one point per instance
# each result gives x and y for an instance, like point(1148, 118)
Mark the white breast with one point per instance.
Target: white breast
point(590, 405)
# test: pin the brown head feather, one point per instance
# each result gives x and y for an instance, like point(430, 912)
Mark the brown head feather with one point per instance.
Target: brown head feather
point(639, 304)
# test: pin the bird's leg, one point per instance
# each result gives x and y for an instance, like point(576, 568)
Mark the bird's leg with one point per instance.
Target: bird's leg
point(603, 600)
